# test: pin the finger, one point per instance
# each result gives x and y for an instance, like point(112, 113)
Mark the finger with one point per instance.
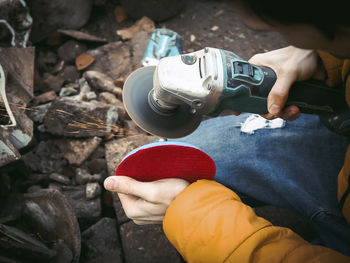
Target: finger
point(129, 186)
point(291, 113)
point(135, 207)
point(279, 94)
point(143, 222)
point(158, 218)
point(261, 60)
point(268, 116)
point(160, 191)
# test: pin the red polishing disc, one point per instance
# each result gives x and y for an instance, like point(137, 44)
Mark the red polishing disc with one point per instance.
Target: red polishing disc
point(167, 160)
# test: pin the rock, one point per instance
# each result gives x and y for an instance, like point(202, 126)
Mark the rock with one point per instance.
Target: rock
point(161, 9)
point(36, 178)
point(97, 166)
point(41, 128)
point(22, 246)
point(39, 84)
point(101, 81)
point(130, 128)
point(45, 158)
point(52, 217)
point(70, 74)
point(37, 113)
point(70, 50)
point(49, 16)
point(34, 188)
point(69, 171)
point(91, 96)
point(58, 67)
point(63, 253)
point(192, 38)
point(84, 89)
point(67, 91)
point(59, 178)
point(55, 186)
point(77, 151)
point(116, 150)
point(102, 239)
point(54, 39)
point(82, 176)
point(98, 153)
point(109, 98)
point(93, 190)
point(72, 118)
point(46, 60)
point(138, 46)
point(118, 209)
point(87, 211)
point(45, 97)
point(113, 59)
point(119, 82)
point(146, 244)
point(54, 82)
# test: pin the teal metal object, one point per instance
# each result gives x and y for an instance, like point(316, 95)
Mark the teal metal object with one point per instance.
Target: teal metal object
point(162, 43)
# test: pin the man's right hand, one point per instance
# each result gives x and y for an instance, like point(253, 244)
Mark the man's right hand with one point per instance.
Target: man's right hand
point(291, 64)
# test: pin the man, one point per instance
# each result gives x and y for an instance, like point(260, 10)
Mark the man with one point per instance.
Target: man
point(294, 167)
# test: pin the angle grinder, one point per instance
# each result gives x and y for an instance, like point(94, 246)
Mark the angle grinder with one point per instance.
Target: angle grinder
point(170, 99)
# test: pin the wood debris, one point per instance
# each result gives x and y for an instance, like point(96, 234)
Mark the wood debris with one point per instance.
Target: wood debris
point(144, 24)
point(83, 61)
point(82, 36)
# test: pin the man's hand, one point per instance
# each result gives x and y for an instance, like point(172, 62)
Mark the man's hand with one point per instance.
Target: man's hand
point(145, 203)
point(290, 64)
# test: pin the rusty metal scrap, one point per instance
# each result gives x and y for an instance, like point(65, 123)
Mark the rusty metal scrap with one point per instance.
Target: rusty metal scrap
point(15, 22)
point(16, 90)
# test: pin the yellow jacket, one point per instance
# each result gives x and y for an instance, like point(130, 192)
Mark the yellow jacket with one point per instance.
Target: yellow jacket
point(207, 222)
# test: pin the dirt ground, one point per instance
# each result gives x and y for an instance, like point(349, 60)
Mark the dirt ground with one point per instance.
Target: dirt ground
point(210, 23)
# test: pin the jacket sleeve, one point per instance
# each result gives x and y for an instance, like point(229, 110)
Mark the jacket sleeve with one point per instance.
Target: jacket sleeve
point(333, 67)
point(207, 222)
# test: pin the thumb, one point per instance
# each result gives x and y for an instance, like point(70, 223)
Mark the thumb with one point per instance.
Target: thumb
point(127, 185)
point(278, 95)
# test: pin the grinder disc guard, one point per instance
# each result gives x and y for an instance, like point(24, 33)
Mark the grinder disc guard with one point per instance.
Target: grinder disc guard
point(136, 91)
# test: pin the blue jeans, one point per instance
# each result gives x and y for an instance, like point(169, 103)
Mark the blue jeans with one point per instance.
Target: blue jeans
point(294, 167)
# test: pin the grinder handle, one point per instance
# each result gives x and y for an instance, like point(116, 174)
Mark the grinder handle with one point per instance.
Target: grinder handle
point(311, 96)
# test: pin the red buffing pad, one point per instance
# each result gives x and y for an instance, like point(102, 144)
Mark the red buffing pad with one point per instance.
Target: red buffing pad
point(167, 160)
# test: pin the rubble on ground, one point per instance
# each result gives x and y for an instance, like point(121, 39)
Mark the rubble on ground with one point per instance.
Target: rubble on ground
point(72, 128)
point(82, 132)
